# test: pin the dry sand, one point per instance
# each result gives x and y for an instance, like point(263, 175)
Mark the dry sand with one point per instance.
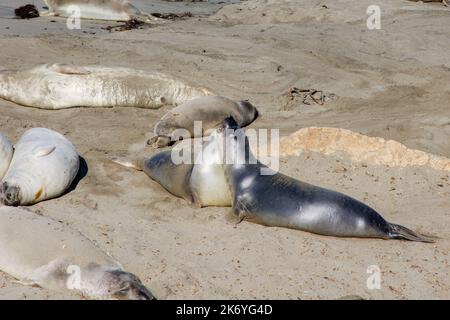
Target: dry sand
point(391, 83)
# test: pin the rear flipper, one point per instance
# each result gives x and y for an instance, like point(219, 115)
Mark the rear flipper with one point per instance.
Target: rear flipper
point(399, 232)
point(137, 164)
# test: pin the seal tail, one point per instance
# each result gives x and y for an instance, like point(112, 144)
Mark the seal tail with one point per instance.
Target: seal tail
point(137, 164)
point(400, 232)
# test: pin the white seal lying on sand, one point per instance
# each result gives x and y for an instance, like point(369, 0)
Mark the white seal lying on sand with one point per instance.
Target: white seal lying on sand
point(43, 166)
point(119, 10)
point(40, 251)
point(6, 154)
point(58, 86)
point(211, 111)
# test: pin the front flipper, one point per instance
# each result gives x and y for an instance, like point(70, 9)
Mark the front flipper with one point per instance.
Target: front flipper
point(43, 151)
point(70, 69)
point(241, 209)
point(193, 200)
point(24, 282)
point(400, 232)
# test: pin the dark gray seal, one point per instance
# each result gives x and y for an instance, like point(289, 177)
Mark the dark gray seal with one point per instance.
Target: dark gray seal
point(282, 201)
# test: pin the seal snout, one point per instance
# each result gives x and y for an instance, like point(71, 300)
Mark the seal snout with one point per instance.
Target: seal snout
point(230, 123)
point(125, 285)
point(9, 195)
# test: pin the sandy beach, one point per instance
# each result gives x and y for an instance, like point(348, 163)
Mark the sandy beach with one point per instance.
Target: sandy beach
point(392, 83)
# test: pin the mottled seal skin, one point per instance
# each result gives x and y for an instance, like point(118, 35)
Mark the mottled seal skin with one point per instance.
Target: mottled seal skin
point(119, 10)
point(60, 86)
point(40, 251)
point(210, 110)
point(279, 200)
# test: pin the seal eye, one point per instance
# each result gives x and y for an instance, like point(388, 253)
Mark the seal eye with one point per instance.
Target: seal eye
point(122, 292)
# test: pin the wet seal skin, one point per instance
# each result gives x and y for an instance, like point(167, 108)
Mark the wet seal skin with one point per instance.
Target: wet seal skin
point(282, 201)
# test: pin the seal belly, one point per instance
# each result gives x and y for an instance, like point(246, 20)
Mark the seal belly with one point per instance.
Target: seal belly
point(207, 182)
point(209, 185)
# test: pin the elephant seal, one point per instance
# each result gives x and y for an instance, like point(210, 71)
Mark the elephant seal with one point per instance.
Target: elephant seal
point(43, 166)
point(210, 110)
point(59, 86)
point(6, 154)
point(119, 10)
point(40, 251)
point(200, 181)
point(279, 200)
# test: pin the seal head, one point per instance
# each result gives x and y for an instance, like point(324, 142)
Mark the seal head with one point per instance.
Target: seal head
point(10, 194)
point(123, 285)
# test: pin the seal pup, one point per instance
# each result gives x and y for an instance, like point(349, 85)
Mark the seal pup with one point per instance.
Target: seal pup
point(210, 110)
point(60, 86)
point(6, 154)
point(118, 10)
point(43, 166)
point(282, 201)
point(40, 251)
point(200, 180)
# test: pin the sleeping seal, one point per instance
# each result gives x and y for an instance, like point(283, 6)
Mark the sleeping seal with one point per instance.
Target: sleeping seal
point(211, 111)
point(6, 154)
point(279, 200)
point(59, 86)
point(119, 10)
point(43, 166)
point(40, 251)
point(201, 182)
